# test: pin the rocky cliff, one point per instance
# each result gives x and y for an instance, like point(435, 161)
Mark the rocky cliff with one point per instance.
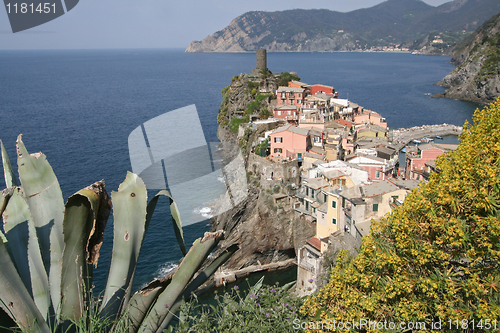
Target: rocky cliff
point(265, 229)
point(393, 23)
point(477, 75)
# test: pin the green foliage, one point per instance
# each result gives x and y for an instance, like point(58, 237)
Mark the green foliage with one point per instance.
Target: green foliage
point(286, 77)
point(236, 122)
point(265, 113)
point(436, 257)
point(491, 65)
point(265, 72)
point(49, 249)
point(262, 147)
point(261, 309)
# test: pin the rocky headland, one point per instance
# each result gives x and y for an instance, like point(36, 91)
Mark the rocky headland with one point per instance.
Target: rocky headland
point(477, 75)
point(263, 225)
point(393, 25)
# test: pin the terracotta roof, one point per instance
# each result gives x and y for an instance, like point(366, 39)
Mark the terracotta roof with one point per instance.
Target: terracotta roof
point(315, 242)
point(344, 122)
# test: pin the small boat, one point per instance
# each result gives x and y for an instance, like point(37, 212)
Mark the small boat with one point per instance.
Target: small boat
point(417, 141)
point(427, 139)
point(439, 137)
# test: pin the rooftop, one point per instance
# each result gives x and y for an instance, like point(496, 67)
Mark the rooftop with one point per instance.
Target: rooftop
point(290, 89)
point(291, 128)
point(358, 193)
point(315, 242)
point(316, 183)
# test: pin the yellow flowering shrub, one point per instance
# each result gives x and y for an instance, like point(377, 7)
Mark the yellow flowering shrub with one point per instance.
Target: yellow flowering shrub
point(436, 258)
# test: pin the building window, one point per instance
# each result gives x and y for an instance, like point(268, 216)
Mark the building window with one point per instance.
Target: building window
point(375, 207)
point(278, 150)
point(334, 220)
point(278, 139)
point(334, 204)
point(307, 190)
point(289, 112)
point(279, 113)
point(283, 96)
point(343, 202)
point(377, 174)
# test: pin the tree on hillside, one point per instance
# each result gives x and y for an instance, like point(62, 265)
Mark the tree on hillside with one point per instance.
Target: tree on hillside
point(436, 258)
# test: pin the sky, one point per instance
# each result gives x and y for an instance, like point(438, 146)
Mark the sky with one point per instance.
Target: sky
point(97, 24)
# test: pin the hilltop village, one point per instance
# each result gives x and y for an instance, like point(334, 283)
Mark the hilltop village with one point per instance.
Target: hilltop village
point(327, 163)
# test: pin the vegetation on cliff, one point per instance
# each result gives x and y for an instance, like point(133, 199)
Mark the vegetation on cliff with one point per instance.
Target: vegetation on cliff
point(436, 257)
point(477, 76)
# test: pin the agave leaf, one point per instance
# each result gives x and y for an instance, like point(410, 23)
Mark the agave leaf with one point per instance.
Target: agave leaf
point(175, 214)
point(45, 200)
point(15, 299)
point(191, 263)
point(25, 251)
point(84, 221)
point(10, 177)
point(138, 306)
point(255, 288)
point(4, 199)
point(198, 281)
point(129, 211)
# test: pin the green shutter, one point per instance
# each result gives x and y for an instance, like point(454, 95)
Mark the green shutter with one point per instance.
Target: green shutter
point(375, 207)
point(334, 221)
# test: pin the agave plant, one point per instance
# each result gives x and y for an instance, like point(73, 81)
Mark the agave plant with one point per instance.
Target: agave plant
point(48, 250)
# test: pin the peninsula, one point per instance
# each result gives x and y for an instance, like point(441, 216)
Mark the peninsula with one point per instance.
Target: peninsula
point(319, 170)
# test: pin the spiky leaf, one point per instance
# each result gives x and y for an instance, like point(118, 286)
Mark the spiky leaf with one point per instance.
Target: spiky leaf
point(46, 204)
point(15, 299)
point(129, 211)
point(175, 215)
point(23, 244)
point(201, 278)
point(85, 217)
point(10, 177)
point(191, 263)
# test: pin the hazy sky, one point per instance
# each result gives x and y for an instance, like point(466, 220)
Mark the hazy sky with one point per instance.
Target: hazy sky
point(150, 23)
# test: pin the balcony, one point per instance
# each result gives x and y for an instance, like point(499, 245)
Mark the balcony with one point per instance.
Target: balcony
point(348, 212)
point(307, 266)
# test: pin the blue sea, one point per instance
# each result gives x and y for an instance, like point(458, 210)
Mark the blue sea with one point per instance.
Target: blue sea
point(79, 107)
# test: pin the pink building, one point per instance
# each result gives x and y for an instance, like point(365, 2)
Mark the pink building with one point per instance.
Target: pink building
point(289, 113)
point(290, 96)
point(289, 142)
point(369, 117)
point(417, 158)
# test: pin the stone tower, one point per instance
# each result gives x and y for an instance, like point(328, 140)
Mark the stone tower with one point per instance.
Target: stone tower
point(261, 59)
point(261, 62)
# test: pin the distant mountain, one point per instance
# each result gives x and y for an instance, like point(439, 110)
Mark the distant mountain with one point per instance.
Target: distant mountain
point(393, 23)
point(477, 75)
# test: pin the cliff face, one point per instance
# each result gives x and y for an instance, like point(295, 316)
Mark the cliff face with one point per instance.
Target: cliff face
point(477, 75)
point(265, 229)
point(391, 23)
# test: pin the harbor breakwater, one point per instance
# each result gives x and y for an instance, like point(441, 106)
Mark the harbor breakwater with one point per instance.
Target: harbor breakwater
point(403, 136)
